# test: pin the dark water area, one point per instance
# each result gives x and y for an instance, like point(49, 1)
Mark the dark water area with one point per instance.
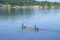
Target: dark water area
point(47, 20)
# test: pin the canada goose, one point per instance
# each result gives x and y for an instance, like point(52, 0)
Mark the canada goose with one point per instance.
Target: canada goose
point(29, 28)
point(26, 28)
point(35, 28)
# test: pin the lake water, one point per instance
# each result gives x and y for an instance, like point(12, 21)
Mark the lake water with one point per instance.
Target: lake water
point(12, 19)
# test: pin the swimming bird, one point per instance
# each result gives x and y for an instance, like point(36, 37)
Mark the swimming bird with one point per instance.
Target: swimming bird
point(30, 28)
point(26, 28)
point(35, 28)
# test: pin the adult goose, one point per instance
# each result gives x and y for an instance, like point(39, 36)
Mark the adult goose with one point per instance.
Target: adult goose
point(29, 28)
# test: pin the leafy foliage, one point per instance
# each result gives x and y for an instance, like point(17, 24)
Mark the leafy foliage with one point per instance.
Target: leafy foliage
point(30, 3)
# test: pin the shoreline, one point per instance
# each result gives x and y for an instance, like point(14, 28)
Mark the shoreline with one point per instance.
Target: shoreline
point(31, 7)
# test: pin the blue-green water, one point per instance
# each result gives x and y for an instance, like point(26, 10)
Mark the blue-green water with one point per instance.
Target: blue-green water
point(46, 19)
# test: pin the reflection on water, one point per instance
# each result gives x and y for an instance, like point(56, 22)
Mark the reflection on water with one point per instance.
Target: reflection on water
point(39, 24)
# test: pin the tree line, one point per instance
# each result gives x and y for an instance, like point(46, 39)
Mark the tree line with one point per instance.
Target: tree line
point(31, 3)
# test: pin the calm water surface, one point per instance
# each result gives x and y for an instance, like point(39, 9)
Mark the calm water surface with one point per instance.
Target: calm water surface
point(46, 19)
